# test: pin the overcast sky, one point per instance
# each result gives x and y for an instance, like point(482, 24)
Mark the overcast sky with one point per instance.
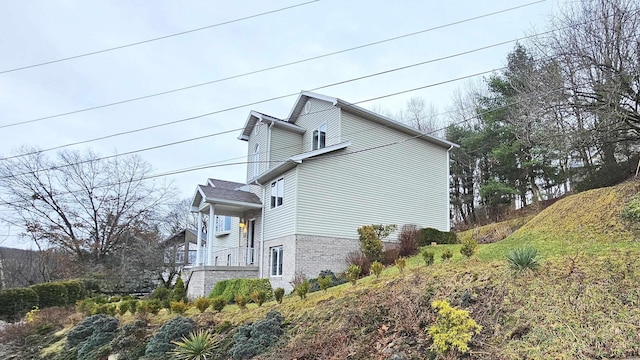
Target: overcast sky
point(38, 31)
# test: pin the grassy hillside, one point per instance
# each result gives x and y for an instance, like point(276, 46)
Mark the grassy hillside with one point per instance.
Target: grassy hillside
point(582, 303)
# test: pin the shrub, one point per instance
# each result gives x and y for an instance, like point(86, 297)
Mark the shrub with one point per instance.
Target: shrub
point(91, 335)
point(357, 258)
point(149, 307)
point(218, 303)
point(259, 297)
point(428, 257)
point(254, 339)
point(51, 294)
point(133, 305)
point(376, 268)
point(469, 247)
point(302, 289)
point(631, 211)
point(172, 330)
point(324, 282)
point(112, 309)
point(315, 286)
point(179, 293)
point(14, 303)
point(446, 255)
point(202, 303)
point(370, 243)
point(199, 345)
point(179, 307)
point(409, 239)
point(241, 301)
point(161, 293)
point(391, 254)
point(429, 235)
point(401, 263)
point(123, 307)
point(453, 328)
point(523, 259)
point(130, 342)
point(278, 293)
point(75, 290)
point(233, 287)
point(353, 273)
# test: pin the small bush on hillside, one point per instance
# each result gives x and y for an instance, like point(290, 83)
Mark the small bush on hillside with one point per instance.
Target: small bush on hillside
point(453, 328)
point(357, 258)
point(523, 259)
point(123, 307)
point(409, 239)
point(179, 307)
point(241, 301)
point(199, 345)
point(254, 339)
point(130, 342)
point(14, 303)
point(401, 263)
point(51, 294)
point(430, 235)
point(279, 294)
point(172, 330)
point(202, 303)
point(324, 282)
point(149, 307)
point(391, 254)
point(428, 257)
point(335, 281)
point(631, 211)
point(353, 273)
point(370, 244)
point(469, 247)
point(302, 289)
point(179, 293)
point(92, 335)
point(259, 297)
point(161, 293)
point(133, 305)
point(218, 303)
point(376, 268)
point(446, 255)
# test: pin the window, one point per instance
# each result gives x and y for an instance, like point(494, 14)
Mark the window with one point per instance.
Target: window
point(256, 127)
point(228, 259)
point(223, 224)
point(192, 256)
point(180, 257)
point(256, 160)
point(276, 261)
point(277, 193)
point(320, 137)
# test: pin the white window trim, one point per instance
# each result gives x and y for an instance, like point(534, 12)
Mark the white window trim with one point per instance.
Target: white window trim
point(256, 160)
point(279, 264)
point(315, 145)
point(219, 232)
point(275, 184)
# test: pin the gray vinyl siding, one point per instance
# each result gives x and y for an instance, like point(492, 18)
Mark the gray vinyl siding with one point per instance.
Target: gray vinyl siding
point(259, 138)
point(321, 112)
point(399, 184)
point(284, 144)
point(280, 221)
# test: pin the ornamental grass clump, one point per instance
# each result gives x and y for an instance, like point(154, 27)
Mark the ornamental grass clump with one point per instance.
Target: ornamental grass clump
point(199, 345)
point(522, 260)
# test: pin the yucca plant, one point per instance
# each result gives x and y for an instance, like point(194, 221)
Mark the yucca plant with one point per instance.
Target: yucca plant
point(523, 259)
point(199, 345)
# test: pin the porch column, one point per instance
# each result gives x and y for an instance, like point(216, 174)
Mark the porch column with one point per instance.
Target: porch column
point(199, 235)
point(210, 231)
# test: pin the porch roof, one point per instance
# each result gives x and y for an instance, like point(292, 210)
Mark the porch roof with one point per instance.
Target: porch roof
point(225, 201)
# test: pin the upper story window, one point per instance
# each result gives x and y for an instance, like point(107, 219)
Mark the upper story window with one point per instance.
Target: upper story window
point(256, 160)
point(256, 128)
point(320, 137)
point(277, 193)
point(223, 224)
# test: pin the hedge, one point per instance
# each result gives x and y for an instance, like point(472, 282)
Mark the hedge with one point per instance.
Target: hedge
point(51, 294)
point(233, 287)
point(15, 303)
point(75, 291)
point(430, 235)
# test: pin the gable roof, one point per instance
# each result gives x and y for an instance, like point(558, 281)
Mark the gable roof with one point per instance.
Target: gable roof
point(224, 184)
point(366, 114)
point(212, 194)
point(255, 117)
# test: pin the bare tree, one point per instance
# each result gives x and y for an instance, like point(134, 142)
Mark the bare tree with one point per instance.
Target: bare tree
point(180, 217)
point(79, 204)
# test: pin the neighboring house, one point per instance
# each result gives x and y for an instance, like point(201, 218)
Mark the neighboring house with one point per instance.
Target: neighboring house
point(312, 180)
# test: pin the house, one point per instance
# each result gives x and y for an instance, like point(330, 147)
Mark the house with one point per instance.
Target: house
point(312, 179)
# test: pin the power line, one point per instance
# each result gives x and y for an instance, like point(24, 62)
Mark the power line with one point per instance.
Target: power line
point(155, 39)
point(268, 68)
point(283, 96)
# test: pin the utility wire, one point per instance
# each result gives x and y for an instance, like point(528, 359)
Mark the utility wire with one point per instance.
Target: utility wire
point(267, 68)
point(282, 96)
point(155, 39)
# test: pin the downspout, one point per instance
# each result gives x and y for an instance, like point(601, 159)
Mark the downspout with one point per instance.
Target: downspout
point(448, 195)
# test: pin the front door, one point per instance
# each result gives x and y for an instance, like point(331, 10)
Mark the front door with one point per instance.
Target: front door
point(251, 231)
